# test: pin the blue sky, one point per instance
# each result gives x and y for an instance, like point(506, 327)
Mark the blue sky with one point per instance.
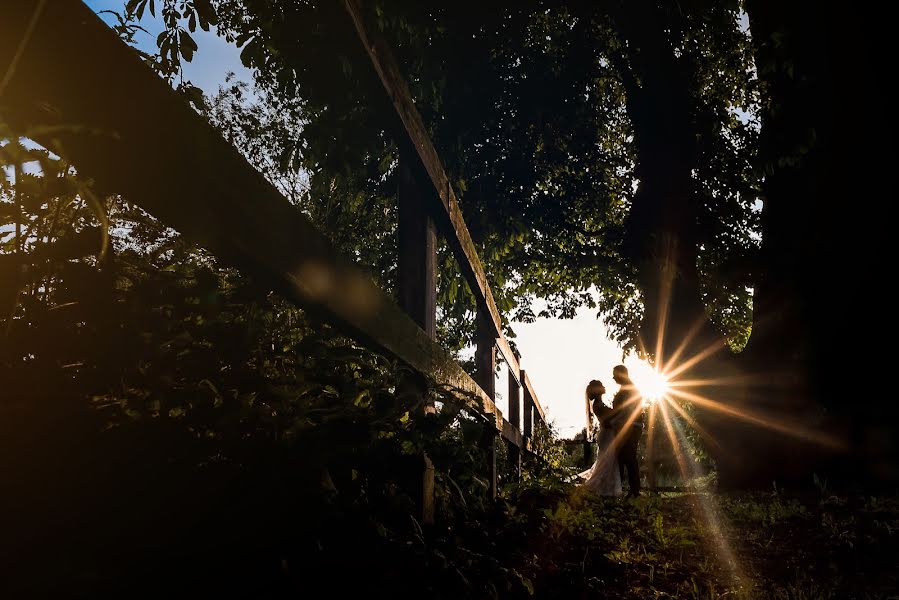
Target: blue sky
point(211, 62)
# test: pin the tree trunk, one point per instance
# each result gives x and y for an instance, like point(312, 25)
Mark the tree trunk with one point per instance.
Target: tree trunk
point(662, 242)
point(821, 117)
point(661, 229)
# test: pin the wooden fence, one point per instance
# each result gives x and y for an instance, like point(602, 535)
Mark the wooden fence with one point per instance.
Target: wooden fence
point(137, 137)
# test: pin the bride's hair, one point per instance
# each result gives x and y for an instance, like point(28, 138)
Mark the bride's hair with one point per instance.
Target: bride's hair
point(594, 390)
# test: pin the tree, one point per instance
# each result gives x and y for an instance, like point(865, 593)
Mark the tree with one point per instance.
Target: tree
point(527, 105)
point(820, 71)
point(571, 171)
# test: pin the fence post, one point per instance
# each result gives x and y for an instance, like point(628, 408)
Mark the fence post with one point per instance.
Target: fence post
point(527, 429)
point(515, 419)
point(417, 288)
point(485, 366)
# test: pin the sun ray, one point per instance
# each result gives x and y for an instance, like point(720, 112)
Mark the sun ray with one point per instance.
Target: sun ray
point(768, 379)
point(713, 348)
point(624, 429)
point(621, 433)
point(791, 429)
point(692, 423)
point(732, 381)
point(678, 454)
point(691, 333)
point(664, 297)
point(650, 442)
point(651, 383)
point(705, 506)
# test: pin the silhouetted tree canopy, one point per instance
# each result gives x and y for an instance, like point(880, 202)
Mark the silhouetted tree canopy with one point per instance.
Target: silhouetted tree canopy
point(560, 127)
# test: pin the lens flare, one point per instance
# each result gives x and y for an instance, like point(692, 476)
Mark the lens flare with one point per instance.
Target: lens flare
point(652, 384)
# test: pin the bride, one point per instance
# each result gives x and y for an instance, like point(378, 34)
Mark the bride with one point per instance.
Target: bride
point(603, 478)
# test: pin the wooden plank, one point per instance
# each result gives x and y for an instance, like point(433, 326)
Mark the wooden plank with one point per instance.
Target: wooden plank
point(485, 372)
point(446, 211)
point(417, 251)
point(529, 405)
point(514, 415)
point(511, 434)
point(485, 359)
point(515, 421)
point(509, 356)
point(417, 293)
point(134, 135)
point(527, 427)
point(529, 387)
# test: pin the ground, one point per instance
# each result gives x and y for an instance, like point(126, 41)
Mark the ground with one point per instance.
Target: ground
point(709, 545)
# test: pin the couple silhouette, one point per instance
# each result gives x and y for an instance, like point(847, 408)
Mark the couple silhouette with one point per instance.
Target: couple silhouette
point(620, 428)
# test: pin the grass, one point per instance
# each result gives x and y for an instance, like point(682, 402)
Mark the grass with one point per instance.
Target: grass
point(708, 545)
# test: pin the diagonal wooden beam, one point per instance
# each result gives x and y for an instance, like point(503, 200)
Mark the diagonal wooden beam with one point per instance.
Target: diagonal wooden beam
point(78, 90)
point(445, 208)
point(527, 385)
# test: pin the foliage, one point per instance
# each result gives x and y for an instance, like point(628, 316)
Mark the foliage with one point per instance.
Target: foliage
point(544, 166)
point(180, 18)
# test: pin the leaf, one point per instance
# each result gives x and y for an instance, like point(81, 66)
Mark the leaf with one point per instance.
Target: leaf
point(247, 55)
point(195, 96)
point(363, 399)
point(284, 159)
point(186, 45)
point(139, 5)
point(100, 212)
point(207, 14)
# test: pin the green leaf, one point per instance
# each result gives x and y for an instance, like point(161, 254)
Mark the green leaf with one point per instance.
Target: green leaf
point(137, 7)
point(248, 54)
point(207, 13)
point(187, 46)
point(363, 399)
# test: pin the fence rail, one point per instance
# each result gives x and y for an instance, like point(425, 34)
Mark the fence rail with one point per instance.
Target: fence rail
point(77, 89)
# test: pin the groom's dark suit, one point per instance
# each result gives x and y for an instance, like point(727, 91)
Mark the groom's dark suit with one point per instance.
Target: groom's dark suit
point(625, 402)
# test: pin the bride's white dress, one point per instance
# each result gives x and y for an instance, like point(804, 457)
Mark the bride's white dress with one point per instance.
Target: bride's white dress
point(604, 478)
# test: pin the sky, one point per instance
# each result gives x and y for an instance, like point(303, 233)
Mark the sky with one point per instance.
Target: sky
point(211, 63)
point(560, 355)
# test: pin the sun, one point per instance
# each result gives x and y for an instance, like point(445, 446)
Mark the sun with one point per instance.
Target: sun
point(652, 384)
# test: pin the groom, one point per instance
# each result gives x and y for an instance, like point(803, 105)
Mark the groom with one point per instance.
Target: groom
point(626, 401)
